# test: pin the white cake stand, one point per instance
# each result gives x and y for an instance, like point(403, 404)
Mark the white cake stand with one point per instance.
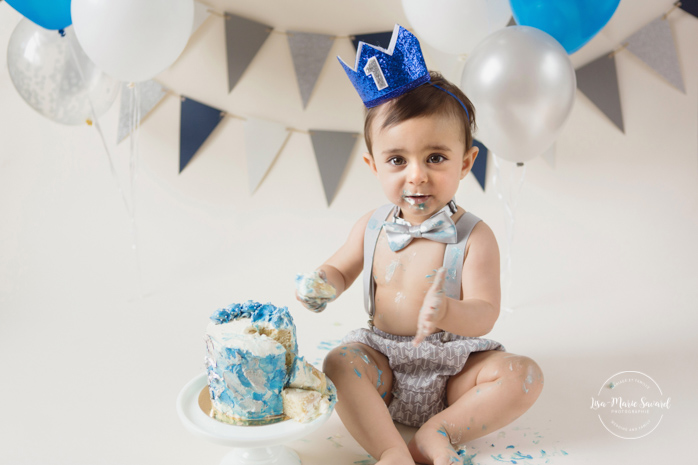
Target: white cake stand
point(253, 445)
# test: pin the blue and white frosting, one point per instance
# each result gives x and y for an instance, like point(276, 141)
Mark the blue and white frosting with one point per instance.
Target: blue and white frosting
point(252, 359)
point(248, 369)
point(247, 382)
point(257, 312)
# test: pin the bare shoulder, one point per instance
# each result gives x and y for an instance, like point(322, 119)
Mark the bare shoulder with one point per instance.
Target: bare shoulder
point(481, 237)
point(363, 221)
point(481, 267)
point(355, 241)
point(361, 225)
point(349, 258)
point(482, 241)
point(483, 233)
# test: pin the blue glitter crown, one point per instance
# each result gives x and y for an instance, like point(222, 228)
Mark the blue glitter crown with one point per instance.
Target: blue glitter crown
point(379, 75)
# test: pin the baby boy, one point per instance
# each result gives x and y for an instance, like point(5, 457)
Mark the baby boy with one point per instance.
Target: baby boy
point(431, 277)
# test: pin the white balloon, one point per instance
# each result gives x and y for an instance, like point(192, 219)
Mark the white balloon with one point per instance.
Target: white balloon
point(456, 26)
point(55, 77)
point(133, 40)
point(522, 84)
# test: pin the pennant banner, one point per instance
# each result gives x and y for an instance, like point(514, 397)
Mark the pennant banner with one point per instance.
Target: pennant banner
point(598, 80)
point(309, 53)
point(690, 6)
point(149, 93)
point(479, 168)
point(244, 38)
point(380, 39)
point(197, 122)
point(332, 151)
point(201, 14)
point(654, 44)
point(263, 142)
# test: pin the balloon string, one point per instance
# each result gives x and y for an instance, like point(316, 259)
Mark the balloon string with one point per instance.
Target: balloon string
point(135, 100)
point(131, 211)
point(509, 202)
point(95, 121)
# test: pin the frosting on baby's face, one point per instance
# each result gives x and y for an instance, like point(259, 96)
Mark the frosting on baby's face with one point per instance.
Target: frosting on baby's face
point(419, 163)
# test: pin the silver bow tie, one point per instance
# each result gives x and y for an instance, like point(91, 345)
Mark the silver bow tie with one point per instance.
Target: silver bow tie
point(439, 228)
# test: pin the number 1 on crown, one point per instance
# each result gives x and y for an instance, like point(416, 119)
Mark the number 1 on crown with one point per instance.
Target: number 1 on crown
point(374, 70)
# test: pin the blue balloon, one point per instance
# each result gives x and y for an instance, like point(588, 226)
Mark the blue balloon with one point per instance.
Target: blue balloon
point(571, 22)
point(49, 14)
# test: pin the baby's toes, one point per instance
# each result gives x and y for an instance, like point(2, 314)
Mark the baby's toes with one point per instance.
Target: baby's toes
point(447, 458)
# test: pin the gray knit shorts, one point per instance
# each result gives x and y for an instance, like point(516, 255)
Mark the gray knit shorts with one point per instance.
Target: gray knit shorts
point(420, 373)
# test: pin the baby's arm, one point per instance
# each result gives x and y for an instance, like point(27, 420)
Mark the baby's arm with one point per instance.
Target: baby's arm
point(341, 269)
point(477, 312)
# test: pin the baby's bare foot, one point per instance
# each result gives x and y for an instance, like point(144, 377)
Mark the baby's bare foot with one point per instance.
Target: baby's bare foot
point(396, 456)
point(448, 458)
point(432, 444)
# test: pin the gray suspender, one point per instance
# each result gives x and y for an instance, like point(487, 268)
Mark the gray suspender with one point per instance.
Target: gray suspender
point(453, 256)
point(373, 229)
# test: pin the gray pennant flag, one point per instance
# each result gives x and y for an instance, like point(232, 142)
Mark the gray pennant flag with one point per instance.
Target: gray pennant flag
point(150, 93)
point(244, 38)
point(598, 80)
point(332, 151)
point(309, 52)
point(654, 44)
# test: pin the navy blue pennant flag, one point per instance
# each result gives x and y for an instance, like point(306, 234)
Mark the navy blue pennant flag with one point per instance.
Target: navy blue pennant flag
point(197, 122)
point(380, 39)
point(479, 168)
point(690, 6)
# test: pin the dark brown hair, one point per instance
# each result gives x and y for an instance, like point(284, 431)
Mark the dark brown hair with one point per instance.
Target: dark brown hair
point(425, 100)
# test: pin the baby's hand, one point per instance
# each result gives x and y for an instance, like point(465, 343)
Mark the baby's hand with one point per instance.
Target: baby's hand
point(313, 290)
point(432, 310)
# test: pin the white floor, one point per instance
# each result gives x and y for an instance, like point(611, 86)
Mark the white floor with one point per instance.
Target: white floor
point(94, 350)
point(99, 386)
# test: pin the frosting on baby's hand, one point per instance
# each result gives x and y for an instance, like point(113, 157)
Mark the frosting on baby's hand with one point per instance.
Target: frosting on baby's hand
point(314, 291)
point(432, 310)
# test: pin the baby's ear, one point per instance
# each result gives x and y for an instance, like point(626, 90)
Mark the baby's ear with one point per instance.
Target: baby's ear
point(368, 159)
point(468, 160)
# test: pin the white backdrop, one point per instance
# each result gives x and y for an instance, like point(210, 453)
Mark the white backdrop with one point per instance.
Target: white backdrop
point(604, 258)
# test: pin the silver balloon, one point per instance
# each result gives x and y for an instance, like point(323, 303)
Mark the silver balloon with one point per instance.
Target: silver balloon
point(55, 77)
point(522, 84)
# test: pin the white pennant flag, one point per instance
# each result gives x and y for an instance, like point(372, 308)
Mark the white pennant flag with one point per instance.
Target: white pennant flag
point(263, 142)
point(549, 156)
point(201, 14)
